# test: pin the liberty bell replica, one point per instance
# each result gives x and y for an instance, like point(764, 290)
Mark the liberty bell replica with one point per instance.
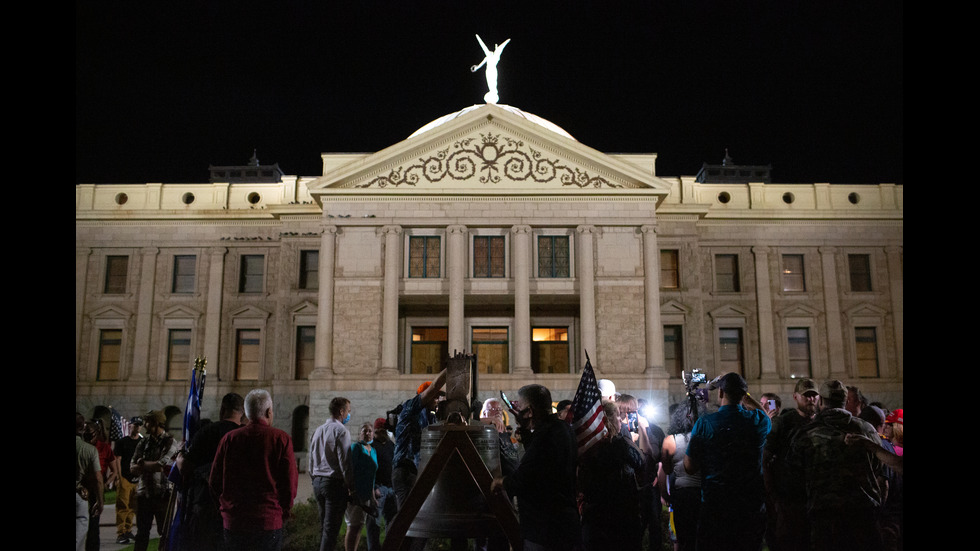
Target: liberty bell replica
point(460, 457)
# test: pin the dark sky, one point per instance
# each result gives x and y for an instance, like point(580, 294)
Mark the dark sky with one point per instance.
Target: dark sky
point(164, 89)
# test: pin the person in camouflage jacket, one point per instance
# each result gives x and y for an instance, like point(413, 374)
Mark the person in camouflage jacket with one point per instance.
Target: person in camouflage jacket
point(843, 483)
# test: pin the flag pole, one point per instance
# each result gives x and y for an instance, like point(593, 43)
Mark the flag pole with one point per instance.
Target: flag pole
point(173, 520)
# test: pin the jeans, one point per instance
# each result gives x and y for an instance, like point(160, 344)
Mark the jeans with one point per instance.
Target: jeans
point(149, 509)
point(387, 508)
point(81, 521)
point(730, 526)
point(263, 540)
point(92, 542)
point(402, 480)
point(331, 499)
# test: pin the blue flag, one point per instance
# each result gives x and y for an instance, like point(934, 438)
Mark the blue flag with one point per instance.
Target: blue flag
point(192, 412)
point(177, 511)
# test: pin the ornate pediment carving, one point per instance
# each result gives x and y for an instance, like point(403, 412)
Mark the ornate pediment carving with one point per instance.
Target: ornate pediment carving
point(490, 158)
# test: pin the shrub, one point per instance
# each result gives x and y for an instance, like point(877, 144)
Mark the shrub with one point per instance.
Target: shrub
point(302, 530)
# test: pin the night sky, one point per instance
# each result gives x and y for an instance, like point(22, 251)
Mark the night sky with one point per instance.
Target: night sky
point(165, 89)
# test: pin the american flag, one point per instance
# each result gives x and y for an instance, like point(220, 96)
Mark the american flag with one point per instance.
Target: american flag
point(118, 427)
point(588, 420)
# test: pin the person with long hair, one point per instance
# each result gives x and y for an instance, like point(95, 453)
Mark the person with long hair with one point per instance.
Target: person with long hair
point(681, 489)
point(895, 430)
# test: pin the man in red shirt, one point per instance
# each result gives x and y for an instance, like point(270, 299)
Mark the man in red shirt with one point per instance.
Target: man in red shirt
point(254, 478)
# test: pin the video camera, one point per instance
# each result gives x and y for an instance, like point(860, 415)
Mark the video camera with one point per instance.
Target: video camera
point(391, 418)
point(692, 380)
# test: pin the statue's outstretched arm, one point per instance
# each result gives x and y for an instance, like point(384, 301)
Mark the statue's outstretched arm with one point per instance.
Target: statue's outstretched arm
point(484, 46)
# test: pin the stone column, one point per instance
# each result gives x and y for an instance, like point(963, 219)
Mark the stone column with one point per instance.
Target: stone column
point(763, 296)
point(522, 298)
point(831, 301)
point(144, 315)
point(651, 298)
point(323, 353)
point(896, 280)
point(585, 273)
point(212, 323)
point(389, 316)
point(81, 278)
point(456, 260)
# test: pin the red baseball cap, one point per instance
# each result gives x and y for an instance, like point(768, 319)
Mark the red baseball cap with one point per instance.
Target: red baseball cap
point(896, 416)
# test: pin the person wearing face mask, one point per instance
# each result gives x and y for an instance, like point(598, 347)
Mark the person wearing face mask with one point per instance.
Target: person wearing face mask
point(330, 467)
point(364, 461)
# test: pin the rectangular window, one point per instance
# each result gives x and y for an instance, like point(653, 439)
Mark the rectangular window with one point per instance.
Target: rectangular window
point(866, 346)
point(793, 273)
point(184, 270)
point(799, 352)
point(488, 256)
point(110, 350)
point(726, 273)
point(491, 349)
point(550, 350)
point(305, 349)
point(673, 350)
point(670, 276)
point(859, 266)
point(424, 256)
point(116, 269)
point(731, 354)
point(179, 355)
point(252, 271)
point(430, 349)
point(553, 257)
point(247, 354)
point(309, 269)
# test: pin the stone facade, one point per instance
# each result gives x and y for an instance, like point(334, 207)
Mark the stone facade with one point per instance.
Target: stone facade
point(486, 176)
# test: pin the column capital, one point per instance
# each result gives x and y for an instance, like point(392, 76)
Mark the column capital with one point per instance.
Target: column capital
point(648, 228)
point(218, 251)
point(761, 249)
point(585, 228)
point(520, 229)
point(83, 251)
point(328, 227)
point(456, 228)
point(390, 229)
point(827, 250)
point(150, 250)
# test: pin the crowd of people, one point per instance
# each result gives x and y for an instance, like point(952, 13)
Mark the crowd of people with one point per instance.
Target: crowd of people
point(822, 473)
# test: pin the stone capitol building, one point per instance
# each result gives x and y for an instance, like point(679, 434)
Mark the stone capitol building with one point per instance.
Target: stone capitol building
point(488, 231)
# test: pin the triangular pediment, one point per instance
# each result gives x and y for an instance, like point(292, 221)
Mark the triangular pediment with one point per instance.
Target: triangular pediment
point(305, 308)
point(674, 307)
point(729, 311)
point(799, 311)
point(488, 149)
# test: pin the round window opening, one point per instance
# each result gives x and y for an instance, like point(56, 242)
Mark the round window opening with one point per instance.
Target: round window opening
point(854, 198)
point(254, 198)
point(188, 198)
point(121, 198)
point(788, 198)
point(724, 197)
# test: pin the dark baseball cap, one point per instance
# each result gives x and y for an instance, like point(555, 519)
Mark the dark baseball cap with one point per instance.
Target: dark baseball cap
point(731, 383)
point(806, 386)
